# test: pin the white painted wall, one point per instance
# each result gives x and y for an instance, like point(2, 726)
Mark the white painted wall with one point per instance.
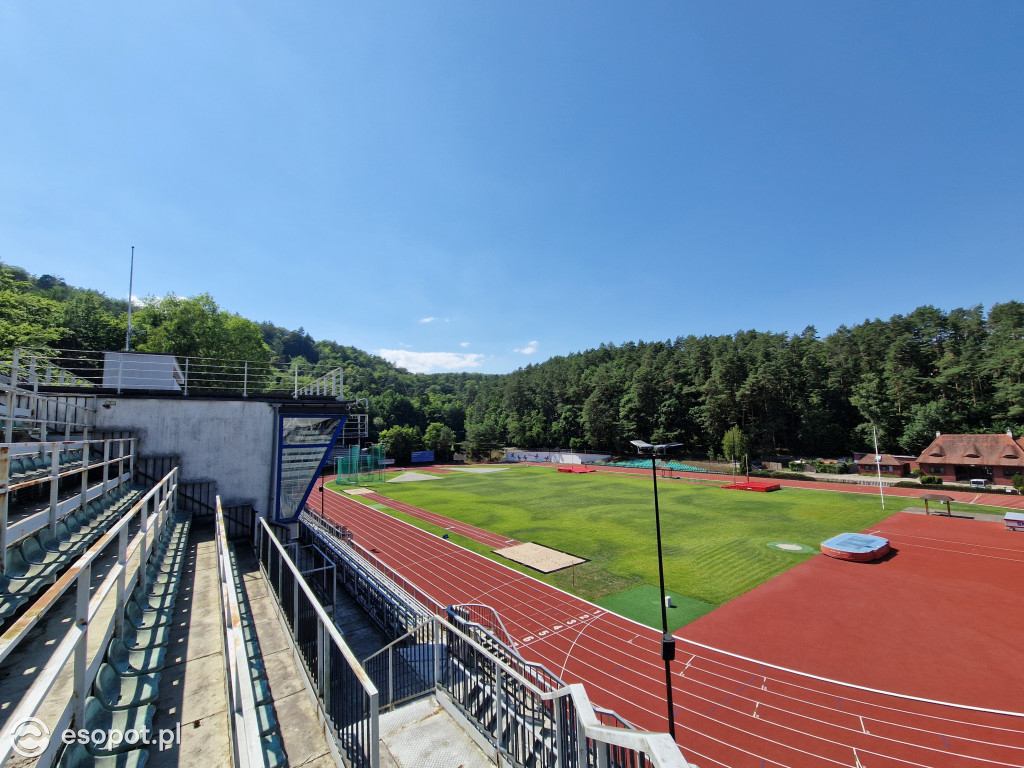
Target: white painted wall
point(230, 441)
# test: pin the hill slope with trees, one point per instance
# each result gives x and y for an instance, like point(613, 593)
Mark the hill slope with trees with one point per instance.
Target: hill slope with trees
point(801, 394)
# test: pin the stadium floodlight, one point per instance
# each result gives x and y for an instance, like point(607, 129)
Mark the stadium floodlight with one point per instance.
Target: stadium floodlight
point(668, 642)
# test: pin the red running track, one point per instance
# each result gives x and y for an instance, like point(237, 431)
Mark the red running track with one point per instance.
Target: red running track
point(463, 529)
point(730, 711)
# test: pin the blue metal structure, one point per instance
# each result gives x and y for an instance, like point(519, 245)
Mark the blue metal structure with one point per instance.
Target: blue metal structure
point(303, 444)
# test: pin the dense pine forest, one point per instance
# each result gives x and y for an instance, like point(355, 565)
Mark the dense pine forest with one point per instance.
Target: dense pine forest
point(911, 375)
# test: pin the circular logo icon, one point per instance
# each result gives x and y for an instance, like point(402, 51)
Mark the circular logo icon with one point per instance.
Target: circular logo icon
point(31, 737)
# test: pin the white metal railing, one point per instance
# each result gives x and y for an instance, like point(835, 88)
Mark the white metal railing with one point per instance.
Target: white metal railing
point(27, 410)
point(331, 384)
point(245, 741)
point(344, 694)
point(93, 616)
point(126, 371)
point(118, 455)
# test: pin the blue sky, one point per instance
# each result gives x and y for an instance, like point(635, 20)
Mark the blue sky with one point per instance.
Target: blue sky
point(483, 185)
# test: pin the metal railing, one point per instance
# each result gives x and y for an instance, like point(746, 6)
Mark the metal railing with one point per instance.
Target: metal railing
point(331, 384)
point(116, 466)
point(486, 617)
point(524, 711)
point(245, 730)
point(126, 371)
point(101, 615)
point(24, 409)
point(346, 696)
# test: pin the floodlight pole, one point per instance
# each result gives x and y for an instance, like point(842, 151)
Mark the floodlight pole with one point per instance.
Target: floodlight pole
point(668, 642)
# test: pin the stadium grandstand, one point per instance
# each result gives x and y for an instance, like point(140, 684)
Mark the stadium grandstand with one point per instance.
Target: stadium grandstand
point(179, 590)
point(170, 598)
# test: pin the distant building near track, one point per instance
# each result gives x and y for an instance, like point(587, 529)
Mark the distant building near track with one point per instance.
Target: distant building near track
point(995, 458)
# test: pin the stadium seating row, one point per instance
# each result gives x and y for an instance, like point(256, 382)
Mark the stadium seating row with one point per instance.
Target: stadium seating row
point(128, 681)
point(29, 467)
point(38, 560)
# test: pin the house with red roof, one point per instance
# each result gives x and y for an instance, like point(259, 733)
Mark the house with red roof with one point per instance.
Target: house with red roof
point(890, 465)
point(995, 458)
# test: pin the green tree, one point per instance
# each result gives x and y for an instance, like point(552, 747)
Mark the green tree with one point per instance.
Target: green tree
point(400, 442)
point(439, 438)
point(26, 319)
point(734, 444)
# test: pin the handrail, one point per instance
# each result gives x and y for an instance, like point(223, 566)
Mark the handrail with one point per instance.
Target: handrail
point(121, 580)
point(126, 452)
point(170, 374)
point(331, 383)
point(497, 624)
point(536, 679)
point(244, 726)
point(319, 678)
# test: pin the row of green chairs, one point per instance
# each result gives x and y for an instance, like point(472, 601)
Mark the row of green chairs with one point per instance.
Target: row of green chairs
point(28, 467)
point(128, 681)
point(269, 730)
point(38, 560)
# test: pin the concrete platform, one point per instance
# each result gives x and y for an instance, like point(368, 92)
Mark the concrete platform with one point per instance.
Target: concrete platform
point(422, 734)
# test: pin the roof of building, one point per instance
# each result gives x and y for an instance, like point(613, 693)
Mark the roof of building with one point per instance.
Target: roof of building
point(1001, 450)
point(887, 459)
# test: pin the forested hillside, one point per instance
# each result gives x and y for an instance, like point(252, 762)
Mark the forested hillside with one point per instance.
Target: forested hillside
point(910, 375)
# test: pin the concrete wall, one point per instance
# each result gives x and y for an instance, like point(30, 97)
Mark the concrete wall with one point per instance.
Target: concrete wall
point(230, 441)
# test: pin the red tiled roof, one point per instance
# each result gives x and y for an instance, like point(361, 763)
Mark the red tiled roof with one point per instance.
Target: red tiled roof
point(995, 450)
point(887, 459)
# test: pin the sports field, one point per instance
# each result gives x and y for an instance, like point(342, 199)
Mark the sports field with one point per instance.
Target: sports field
point(716, 542)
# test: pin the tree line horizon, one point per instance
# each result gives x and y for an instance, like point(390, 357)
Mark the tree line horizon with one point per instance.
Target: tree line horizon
point(790, 394)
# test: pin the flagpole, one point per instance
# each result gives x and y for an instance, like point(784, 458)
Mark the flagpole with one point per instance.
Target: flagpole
point(131, 280)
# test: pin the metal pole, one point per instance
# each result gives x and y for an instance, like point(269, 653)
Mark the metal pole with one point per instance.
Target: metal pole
point(668, 642)
point(878, 465)
point(131, 281)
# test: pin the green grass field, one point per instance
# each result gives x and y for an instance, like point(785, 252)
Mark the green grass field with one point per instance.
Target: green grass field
point(715, 541)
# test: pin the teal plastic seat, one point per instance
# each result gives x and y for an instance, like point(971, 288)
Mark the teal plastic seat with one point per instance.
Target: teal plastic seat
point(9, 604)
point(99, 718)
point(144, 639)
point(20, 568)
point(73, 537)
point(145, 619)
point(34, 553)
point(77, 756)
point(153, 602)
point(117, 692)
point(51, 543)
point(16, 469)
point(21, 587)
point(126, 662)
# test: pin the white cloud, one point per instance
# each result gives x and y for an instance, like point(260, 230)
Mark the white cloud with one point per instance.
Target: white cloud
point(427, 319)
point(529, 349)
point(464, 344)
point(429, 362)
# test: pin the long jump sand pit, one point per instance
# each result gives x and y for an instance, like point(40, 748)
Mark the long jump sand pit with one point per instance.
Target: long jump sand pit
point(543, 559)
point(412, 477)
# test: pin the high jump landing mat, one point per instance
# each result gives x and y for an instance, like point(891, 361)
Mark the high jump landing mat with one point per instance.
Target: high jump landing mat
point(856, 547)
point(753, 485)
